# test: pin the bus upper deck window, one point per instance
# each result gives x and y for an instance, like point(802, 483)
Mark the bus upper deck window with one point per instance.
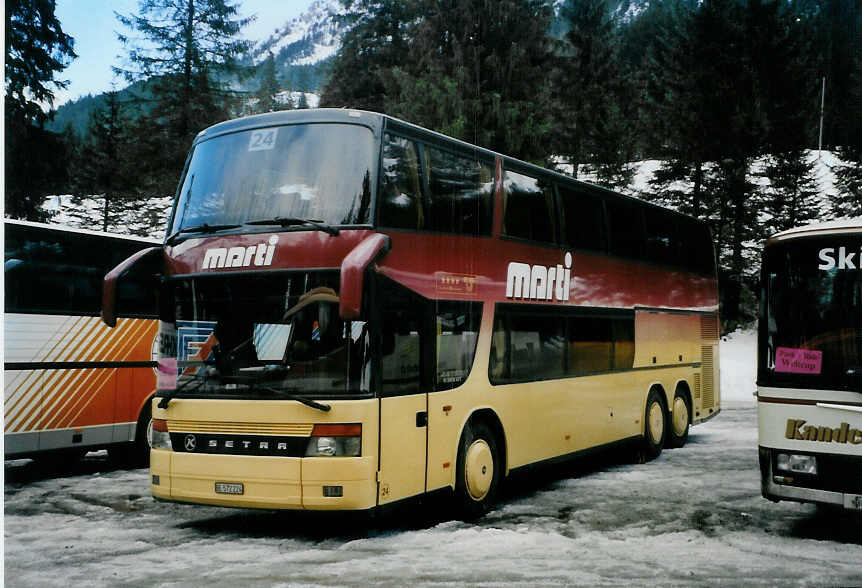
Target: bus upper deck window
point(527, 205)
point(401, 196)
point(461, 189)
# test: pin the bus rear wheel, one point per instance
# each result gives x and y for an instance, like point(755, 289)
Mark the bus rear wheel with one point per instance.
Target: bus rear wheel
point(655, 425)
point(680, 420)
point(478, 470)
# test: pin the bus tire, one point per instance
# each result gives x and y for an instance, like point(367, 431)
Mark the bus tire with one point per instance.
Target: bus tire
point(137, 453)
point(680, 420)
point(655, 425)
point(478, 470)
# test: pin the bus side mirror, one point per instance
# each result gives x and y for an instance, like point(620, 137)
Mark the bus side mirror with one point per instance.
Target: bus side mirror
point(143, 260)
point(353, 269)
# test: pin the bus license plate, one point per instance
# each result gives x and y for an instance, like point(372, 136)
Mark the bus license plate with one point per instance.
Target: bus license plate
point(853, 501)
point(226, 488)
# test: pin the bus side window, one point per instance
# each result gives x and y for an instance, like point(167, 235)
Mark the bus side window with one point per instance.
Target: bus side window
point(48, 276)
point(400, 195)
point(457, 334)
point(402, 340)
point(460, 197)
point(697, 247)
point(600, 344)
point(527, 206)
point(535, 344)
point(584, 218)
point(590, 347)
point(626, 229)
point(623, 332)
point(662, 237)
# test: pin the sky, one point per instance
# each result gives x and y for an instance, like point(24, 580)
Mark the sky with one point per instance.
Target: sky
point(93, 26)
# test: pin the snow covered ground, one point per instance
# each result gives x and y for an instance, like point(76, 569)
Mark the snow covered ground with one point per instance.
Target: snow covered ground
point(694, 516)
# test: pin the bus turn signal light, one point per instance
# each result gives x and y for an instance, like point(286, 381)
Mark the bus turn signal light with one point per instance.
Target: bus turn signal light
point(326, 430)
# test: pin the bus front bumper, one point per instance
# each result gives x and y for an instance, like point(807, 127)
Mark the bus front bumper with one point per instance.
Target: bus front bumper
point(823, 488)
point(313, 483)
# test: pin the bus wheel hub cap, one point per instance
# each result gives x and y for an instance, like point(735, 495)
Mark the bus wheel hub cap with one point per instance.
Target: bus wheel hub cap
point(478, 469)
point(656, 422)
point(680, 415)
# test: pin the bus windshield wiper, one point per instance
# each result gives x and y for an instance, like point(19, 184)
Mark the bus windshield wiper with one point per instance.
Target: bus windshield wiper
point(254, 383)
point(200, 380)
point(300, 399)
point(293, 221)
point(201, 228)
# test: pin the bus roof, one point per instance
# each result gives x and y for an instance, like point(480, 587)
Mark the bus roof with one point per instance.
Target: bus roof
point(65, 229)
point(377, 122)
point(852, 225)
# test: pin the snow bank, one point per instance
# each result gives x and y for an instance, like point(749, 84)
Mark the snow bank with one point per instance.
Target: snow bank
point(738, 366)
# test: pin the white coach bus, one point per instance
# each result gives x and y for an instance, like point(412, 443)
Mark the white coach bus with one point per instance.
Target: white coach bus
point(809, 380)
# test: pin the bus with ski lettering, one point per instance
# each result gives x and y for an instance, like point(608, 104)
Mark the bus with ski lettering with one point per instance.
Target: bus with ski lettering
point(356, 311)
point(809, 380)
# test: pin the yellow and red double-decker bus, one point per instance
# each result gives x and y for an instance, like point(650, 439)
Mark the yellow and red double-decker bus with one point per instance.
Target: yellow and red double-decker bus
point(357, 311)
point(71, 384)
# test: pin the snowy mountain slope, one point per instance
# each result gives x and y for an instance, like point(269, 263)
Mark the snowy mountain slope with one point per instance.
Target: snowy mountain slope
point(311, 37)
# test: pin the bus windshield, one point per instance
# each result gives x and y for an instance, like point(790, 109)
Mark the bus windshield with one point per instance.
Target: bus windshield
point(320, 172)
point(262, 336)
point(811, 331)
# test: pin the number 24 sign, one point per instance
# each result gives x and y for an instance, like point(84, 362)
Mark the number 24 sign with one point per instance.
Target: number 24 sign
point(262, 140)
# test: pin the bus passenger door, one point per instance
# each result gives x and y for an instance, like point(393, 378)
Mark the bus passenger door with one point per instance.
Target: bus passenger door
point(403, 404)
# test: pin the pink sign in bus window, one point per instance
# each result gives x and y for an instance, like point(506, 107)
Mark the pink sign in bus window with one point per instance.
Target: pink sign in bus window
point(167, 373)
point(798, 361)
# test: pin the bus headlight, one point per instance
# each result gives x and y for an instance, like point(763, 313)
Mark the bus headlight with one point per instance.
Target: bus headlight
point(159, 436)
point(792, 462)
point(335, 441)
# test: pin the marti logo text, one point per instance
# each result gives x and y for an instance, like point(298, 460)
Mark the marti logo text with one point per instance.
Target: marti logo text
point(832, 258)
point(538, 282)
point(253, 255)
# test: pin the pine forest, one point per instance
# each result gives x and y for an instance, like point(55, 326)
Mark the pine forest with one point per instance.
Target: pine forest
point(735, 102)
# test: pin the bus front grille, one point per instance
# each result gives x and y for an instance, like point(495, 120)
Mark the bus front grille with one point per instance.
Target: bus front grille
point(236, 428)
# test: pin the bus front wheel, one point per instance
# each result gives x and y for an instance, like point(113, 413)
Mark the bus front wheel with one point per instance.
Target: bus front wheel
point(478, 470)
point(655, 425)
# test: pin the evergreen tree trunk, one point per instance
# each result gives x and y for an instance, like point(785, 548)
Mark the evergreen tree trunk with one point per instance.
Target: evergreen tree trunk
point(696, 195)
point(736, 186)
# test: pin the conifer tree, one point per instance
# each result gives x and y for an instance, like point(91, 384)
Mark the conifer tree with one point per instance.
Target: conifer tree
point(848, 178)
point(269, 88)
point(838, 30)
point(189, 50)
point(848, 174)
point(591, 95)
point(671, 113)
point(104, 165)
point(478, 70)
point(375, 43)
point(793, 192)
point(37, 50)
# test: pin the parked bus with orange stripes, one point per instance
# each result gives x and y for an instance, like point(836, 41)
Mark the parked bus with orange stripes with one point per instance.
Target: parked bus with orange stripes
point(71, 384)
point(809, 378)
point(357, 311)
